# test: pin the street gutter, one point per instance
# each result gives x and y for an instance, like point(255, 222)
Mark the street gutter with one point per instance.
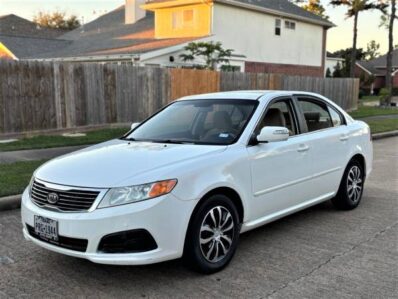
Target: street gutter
point(14, 201)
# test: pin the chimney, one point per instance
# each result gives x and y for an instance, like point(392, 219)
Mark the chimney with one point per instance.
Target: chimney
point(133, 12)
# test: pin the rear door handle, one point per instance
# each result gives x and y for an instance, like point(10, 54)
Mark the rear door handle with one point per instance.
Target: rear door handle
point(344, 137)
point(303, 148)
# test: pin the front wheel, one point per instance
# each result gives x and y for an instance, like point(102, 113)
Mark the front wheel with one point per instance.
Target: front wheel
point(213, 235)
point(351, 187)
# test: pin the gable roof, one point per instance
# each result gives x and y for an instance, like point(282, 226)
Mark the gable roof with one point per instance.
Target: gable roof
point(25, 38)
point(25, 47)
point(109, 35)
point(13, 25)
point(280, 7)
point(378, 65)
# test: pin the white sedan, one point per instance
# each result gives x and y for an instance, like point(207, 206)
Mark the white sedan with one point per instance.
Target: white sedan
point(189, 179)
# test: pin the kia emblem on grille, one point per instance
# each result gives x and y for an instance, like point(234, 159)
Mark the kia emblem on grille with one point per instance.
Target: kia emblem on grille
point(52, 198)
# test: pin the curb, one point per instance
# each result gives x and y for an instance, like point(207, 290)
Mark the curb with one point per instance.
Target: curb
point(10, 202)
point(14, 201)
point(384, 135)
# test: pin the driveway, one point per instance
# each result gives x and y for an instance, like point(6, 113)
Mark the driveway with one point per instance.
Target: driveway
point(317, 253)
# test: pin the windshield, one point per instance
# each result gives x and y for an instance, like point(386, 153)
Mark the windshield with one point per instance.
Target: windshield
point(218, 122)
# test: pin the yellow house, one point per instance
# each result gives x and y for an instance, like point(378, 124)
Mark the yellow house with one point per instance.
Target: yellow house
point(184, 18)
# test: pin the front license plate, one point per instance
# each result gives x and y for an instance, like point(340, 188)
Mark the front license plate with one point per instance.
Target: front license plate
point(46, 228)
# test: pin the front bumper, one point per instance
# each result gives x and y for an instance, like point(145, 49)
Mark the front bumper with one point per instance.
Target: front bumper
point(166, 218)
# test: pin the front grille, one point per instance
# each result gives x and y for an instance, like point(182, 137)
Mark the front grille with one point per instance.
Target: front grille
point(64, 242)
point(68, 200)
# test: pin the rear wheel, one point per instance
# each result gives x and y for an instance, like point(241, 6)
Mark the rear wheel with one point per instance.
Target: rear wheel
point(351, 187)
point(213, 235)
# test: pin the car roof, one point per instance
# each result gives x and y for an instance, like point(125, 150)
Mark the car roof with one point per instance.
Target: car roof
point(245, 95)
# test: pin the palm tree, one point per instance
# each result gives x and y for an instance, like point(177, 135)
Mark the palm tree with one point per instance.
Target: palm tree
point(389, 69)
point(354, 7)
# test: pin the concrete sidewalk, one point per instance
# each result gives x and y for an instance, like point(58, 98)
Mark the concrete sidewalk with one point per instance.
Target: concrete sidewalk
point(37, 154)
point(380, 117)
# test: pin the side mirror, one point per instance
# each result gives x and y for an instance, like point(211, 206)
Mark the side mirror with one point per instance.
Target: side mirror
point(273, 134)
point(134, 125)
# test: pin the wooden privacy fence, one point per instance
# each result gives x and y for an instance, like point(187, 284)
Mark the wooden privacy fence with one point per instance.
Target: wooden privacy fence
point(41, 95)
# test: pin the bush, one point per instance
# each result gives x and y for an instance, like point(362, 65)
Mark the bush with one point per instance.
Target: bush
point(364, 92)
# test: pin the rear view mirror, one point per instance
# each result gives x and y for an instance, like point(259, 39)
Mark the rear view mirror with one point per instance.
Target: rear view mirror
point(134, 125)
point(273, 134)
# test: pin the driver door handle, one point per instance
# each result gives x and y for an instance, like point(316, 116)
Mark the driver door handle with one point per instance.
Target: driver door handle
point(303, 148)
point(344, 137)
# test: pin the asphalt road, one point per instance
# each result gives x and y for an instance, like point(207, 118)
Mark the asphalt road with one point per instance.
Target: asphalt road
point(317, 253)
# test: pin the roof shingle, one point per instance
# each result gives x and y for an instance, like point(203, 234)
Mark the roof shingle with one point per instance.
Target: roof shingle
point(378, 65)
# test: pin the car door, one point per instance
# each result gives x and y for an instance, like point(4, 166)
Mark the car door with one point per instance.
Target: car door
point(280, 170)
point(327, 137)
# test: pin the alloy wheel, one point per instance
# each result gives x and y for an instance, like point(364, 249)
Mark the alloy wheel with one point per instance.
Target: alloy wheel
point(354, 184)
point(216, 234)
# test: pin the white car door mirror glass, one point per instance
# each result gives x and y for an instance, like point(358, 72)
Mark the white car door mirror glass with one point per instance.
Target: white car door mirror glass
point(273, 134)
point(134, 125)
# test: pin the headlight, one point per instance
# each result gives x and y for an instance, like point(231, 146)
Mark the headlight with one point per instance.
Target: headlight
point(125, 195)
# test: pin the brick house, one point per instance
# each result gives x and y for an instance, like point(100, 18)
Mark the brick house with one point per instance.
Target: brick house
point(373, 72)
point(266, 35)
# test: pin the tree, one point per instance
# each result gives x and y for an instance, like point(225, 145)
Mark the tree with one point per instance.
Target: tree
point(389, 17)
point(346, 55)
point(372, 50)
point(56, 20)
point(328, 73)
point(211, 53)
point(313, 6)
point(354, 7)
point(337, 73)
point(316, 7)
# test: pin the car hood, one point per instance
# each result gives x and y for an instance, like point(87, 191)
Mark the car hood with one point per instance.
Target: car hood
point(112, 163)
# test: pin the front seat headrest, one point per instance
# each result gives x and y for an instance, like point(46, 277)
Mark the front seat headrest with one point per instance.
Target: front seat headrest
point(274, 118)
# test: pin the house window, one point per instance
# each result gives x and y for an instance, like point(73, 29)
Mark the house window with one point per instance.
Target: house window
point(278, 25)
point(290, 25)
point(183, 19)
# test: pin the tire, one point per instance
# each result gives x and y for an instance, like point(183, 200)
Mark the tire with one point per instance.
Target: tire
point(351, 187)
point(210, 243)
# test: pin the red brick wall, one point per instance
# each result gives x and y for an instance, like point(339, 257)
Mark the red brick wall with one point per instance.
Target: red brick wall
point(288, 69)
point(396, 80)
point(379, 82)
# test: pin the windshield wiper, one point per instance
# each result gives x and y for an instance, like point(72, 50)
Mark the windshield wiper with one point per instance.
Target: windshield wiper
point(171, 141)
point(128, 139)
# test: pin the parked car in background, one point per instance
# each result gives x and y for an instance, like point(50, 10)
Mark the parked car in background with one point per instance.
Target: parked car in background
point(189, 179)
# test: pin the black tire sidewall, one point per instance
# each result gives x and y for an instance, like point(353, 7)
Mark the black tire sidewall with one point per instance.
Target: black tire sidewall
point(193, 254)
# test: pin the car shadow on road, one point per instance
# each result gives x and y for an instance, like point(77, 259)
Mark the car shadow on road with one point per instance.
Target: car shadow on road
point(176, 268)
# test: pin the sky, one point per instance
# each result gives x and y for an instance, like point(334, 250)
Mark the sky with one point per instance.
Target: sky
point(339, 37)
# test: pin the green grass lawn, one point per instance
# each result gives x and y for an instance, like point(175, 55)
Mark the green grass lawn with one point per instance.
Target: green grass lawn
point(382, 125)
point(15, 177)
point(366, 111)
point(50, 141)
point(369, 99)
